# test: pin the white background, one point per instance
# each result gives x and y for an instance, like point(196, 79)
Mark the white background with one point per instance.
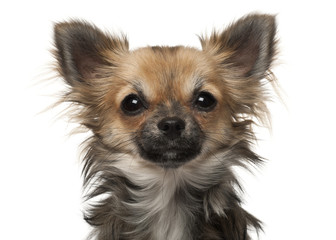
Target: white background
point(40, 182)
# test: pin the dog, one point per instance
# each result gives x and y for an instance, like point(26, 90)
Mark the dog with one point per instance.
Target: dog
point(168, 125)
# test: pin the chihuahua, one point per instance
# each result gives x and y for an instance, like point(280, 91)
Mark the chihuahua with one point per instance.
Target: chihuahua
point(168, 125)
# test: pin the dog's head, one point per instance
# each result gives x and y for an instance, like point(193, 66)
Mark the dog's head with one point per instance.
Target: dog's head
point(168, 105)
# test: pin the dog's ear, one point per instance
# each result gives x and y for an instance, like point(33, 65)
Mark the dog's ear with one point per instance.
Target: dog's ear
point(82, 50)
point(247, 46)
point(243, 54)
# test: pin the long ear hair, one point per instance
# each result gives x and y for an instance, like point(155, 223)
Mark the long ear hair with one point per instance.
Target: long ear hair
point(86, 58)
point(244, 52)
point(82, 50)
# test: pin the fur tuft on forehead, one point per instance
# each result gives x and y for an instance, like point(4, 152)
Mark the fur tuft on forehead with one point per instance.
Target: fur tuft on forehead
point(166, 72)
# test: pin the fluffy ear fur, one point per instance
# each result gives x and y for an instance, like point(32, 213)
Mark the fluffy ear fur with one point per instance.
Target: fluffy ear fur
point(86, 59)
point(247, 45)
point(244, 52)
point(81, 50)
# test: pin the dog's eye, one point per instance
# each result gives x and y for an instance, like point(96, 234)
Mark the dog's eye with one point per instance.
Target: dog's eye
point(205, 101)
point(132, 105)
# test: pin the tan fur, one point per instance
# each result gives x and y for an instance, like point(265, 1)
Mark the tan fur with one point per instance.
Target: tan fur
point(128, 161)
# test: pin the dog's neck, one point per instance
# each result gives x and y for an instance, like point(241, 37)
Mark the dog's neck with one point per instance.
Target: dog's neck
point(170, 199)
point(162, 205)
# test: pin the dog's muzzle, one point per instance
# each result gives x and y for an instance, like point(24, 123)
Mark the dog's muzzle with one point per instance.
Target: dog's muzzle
point(171, 142)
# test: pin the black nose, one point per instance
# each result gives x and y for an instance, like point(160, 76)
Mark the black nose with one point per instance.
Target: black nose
point(172, 127)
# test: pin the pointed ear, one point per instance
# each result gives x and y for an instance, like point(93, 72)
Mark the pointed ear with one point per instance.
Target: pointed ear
point(247, 46)
point(82, 49)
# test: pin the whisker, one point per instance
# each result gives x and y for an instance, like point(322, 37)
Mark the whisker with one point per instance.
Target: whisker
point(123, 143)
point(214, 155)
point(214, 140)
point(162, 187)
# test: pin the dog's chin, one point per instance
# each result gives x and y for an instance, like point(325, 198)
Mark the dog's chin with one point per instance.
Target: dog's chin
point(171, 158)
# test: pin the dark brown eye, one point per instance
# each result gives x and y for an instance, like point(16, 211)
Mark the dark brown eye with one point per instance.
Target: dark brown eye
point(205, 101)
point(132, 105)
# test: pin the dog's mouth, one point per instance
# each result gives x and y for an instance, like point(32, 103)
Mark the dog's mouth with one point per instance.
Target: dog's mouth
point(168, 157)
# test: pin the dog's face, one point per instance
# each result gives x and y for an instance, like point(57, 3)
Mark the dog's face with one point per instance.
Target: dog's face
point(167, 105)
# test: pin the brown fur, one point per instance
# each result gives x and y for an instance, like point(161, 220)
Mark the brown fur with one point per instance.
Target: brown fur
point(101, 71)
